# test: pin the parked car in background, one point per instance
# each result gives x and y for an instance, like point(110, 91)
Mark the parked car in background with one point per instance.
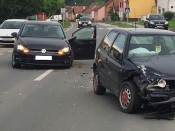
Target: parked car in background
point(84, 21)
point(137, 66)
point(156, 21)
point(56, 18)
point(7, 27)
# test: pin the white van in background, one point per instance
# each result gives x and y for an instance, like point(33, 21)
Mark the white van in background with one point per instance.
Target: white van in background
point(56, 18)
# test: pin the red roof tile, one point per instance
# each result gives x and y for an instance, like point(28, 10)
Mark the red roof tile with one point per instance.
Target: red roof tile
point(90, 8)
point(79, 9)
point(98, 7)
point(108, 2)
point(116, 2)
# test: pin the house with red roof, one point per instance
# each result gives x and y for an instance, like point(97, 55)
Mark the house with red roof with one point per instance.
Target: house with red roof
point(88, 10)
point(73, 11)
point(98, 13)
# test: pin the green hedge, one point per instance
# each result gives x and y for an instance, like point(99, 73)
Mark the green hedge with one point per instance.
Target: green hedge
point(169, 15)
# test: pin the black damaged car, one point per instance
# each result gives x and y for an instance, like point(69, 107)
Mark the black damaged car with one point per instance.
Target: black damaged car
point(137, 65)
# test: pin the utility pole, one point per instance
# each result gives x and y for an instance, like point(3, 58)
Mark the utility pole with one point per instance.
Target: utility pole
point(127, 6)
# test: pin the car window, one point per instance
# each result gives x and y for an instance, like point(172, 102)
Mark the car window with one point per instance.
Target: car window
point(42, 30)
point(141, 40)
point(84, 33)
point(150, 45)
point(156, 17)
point(108, 41)
point(84, 19)
point(118, 44)
point(12, 24)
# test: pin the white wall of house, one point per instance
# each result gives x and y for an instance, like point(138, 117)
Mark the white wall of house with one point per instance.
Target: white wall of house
point(92, 14)
point(165, 5)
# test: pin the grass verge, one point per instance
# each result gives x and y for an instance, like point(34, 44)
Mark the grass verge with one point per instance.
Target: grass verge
point(119, 24)
point(65, 24)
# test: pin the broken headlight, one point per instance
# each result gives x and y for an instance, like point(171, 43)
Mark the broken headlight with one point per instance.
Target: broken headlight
point(159, 83)
point(162, 83)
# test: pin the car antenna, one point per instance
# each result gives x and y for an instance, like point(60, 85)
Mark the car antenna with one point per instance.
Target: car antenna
point(135, 18)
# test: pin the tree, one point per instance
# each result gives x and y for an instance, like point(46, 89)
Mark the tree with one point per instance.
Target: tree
point(17, 9)
point(29, 7)
point(51, 6)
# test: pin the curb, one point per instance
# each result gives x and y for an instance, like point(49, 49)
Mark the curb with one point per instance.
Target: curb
point(70, 27)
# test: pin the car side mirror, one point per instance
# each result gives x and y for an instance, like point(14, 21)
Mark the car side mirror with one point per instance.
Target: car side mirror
point(14, 34)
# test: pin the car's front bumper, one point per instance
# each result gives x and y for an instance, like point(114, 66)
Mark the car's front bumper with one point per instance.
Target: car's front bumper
point(81, 25)
point(29, 59)
point(160, 97)
point(7, 41)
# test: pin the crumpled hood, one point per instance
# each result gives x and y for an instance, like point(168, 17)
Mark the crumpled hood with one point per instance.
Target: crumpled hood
point(7, 32)
point(43, 43)
point(162, 66)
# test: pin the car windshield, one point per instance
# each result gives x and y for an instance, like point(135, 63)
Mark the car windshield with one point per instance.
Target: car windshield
point(84, 19)
point(11, 24)
point(149, 45)
point(156, 17)
point(42, 30)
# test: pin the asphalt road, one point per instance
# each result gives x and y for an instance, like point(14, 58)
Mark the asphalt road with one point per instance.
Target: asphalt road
point(63, 100)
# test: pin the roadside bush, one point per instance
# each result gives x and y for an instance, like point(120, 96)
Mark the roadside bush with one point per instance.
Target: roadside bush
point(115, 17)
point(78, 16)
point(169, 15)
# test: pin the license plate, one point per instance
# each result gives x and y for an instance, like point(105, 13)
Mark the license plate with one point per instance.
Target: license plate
point(43, 57)
point(7, 39)
point(84, 24)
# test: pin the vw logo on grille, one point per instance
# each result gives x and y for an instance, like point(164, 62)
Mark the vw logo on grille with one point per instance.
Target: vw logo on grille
point(43, 51)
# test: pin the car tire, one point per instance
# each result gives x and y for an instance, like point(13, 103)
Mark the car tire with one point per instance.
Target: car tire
point(129, 99)
point(98, 88)
point(14, 64)
point(71, 61)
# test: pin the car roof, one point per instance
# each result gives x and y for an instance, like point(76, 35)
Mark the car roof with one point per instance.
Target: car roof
point(145, 31)
point(16, 20)
point(42, 22)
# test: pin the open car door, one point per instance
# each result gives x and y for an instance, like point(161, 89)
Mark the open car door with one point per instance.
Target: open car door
point(83, 43)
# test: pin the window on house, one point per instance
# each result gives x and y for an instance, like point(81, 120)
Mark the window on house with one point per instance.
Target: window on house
point(163, 10)
point(159, 11)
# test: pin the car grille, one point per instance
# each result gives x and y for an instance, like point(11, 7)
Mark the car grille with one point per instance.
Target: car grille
point(171, 84)
point(159, 22)
point(39, 51)
point(171, 94)
point(7, 41)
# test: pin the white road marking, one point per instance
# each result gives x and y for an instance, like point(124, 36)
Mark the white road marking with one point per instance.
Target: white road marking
point(10, 50)
point(109, 28)
point(43, 75)
point(100, 28)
